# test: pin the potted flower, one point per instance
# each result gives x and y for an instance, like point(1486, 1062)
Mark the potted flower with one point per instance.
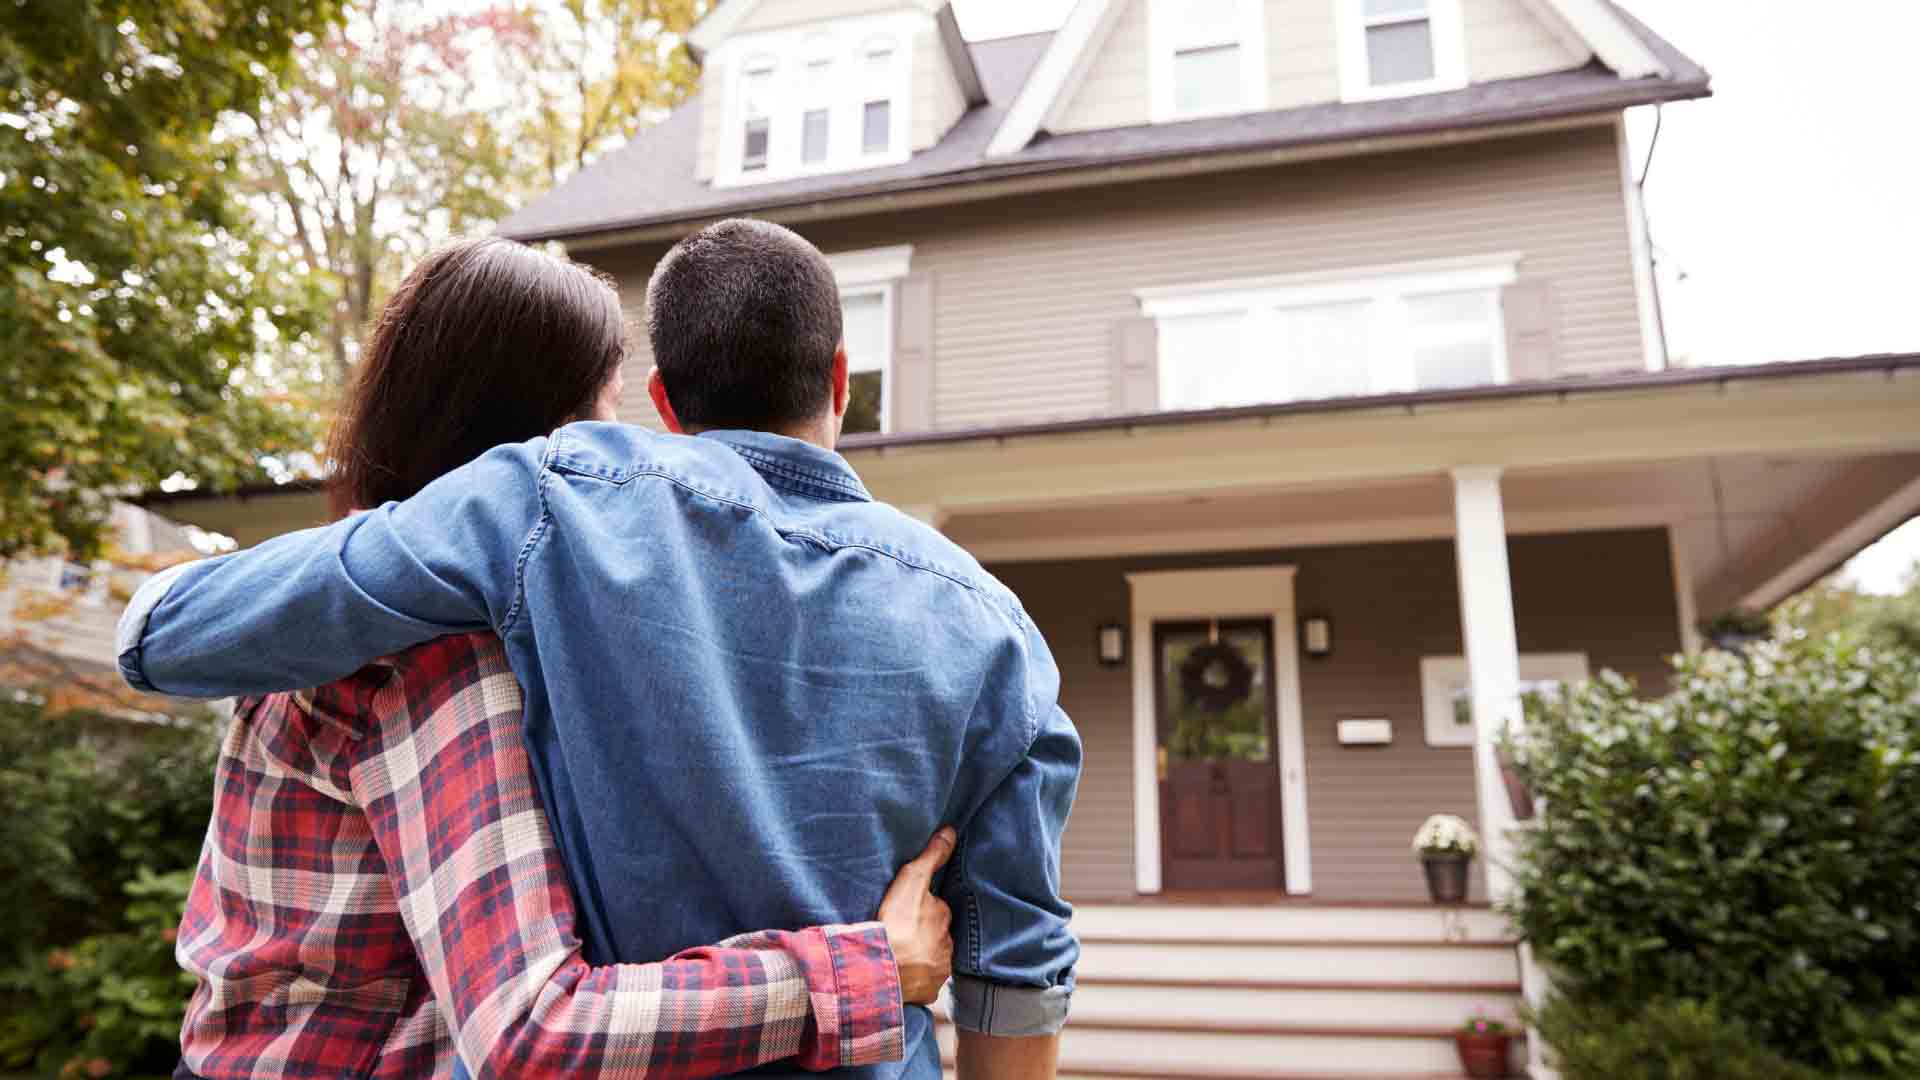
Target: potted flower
point(1484, 1043)
point(1446, 846)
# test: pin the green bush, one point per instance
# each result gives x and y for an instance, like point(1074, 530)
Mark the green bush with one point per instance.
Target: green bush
point(100, 822)
point(1751, 840)
point(1663, 1040)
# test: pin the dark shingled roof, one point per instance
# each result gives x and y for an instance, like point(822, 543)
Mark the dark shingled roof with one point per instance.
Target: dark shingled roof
point(651, 180)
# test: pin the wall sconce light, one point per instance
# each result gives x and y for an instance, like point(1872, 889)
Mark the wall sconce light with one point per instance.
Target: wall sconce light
point(1112, 645)
point(1316, 636)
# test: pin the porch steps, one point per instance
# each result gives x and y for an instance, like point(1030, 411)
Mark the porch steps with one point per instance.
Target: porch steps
point(1279, 992)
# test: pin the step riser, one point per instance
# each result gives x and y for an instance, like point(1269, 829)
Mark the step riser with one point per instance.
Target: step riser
point(1084, 1052)
point(1354, 1008)
point(1283, 923)
point(1314, 963)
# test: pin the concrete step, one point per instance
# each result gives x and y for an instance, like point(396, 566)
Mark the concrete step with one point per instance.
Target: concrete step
point(1304, 960)
point(1278, 1001)
point(1289, 922)
point(1091, 1048)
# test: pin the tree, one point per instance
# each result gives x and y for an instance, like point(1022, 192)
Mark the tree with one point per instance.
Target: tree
point(408, 124)
point(136, 302)
point(1835, 607)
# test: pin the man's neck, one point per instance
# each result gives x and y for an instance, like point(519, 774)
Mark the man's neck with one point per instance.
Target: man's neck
point(820, 433)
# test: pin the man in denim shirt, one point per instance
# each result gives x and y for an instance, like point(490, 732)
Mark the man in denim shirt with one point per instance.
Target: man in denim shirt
point(751, 691)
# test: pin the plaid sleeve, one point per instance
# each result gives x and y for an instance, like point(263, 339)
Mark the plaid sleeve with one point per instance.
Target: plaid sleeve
point(447, 788)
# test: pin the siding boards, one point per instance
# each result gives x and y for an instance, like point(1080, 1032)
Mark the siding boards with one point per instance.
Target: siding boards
point(1114, 91)
point(937, 102)
point(1606, 594)
point(1030, 289)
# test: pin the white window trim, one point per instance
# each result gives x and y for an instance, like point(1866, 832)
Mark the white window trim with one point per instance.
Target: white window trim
point(1449, 53)
point(1164, 21)
point(1439, 675)
point(1383, 284)
point(1252, 591)
point(848, 41)
point(877, 271)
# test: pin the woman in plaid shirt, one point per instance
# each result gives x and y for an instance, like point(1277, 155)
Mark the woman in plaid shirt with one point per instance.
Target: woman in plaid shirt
point(380, 894)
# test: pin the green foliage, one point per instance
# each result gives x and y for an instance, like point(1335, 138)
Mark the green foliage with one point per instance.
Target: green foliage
point(135, 300)
point(111, 1004)
point(1835, 607)
point(85, 804)
point(99, 820)
point(1662, 1040)
point(1751, 840)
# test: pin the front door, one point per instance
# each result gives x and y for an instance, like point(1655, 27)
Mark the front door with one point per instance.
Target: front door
point(1219, 784)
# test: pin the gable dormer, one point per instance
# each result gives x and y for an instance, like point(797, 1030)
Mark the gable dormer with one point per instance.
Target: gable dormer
point(795, 88)
point(1161, 61)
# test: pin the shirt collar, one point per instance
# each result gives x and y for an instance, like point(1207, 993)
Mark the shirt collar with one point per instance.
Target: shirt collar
point(791, 464)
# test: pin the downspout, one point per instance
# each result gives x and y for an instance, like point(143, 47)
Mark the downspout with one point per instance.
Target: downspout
point(1646, 230)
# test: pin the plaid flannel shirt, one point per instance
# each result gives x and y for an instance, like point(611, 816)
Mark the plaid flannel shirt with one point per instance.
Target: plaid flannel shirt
point(380, 887)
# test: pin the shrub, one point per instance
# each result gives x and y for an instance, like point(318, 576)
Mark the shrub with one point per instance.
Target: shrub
point(1750, 840)
point(1662, 1040)
point(100, 823)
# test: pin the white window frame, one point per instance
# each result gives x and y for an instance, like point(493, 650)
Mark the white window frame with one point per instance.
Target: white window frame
point(876, 272)
point(1168, 34)
point(1449, 52)
point(1442, 676)
point(1385, 286)
point(849, 42)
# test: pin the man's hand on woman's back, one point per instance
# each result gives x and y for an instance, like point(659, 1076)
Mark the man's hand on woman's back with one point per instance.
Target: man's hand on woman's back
point(919, 924)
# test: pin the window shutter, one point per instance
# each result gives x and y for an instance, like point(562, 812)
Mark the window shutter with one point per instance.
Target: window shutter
point(1528, 309)
point(1136, 366)
point(913, 354)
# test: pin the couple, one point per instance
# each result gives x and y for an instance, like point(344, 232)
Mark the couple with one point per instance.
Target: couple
point(640, 693)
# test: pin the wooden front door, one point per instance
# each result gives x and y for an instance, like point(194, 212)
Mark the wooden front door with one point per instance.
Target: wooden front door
point(1219, 782)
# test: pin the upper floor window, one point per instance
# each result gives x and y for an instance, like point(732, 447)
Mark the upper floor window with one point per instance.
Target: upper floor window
point(1432, 327)
point(869, 284)
point(756, 115)
point(831, 98)
point(1208, 57)
point(1395, 47)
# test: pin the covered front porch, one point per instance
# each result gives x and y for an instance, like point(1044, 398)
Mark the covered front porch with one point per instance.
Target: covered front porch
point(1456, 548)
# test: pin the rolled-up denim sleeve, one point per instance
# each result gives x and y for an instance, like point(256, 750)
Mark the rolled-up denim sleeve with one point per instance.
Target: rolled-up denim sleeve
point(1013, 949)
point(310, 607)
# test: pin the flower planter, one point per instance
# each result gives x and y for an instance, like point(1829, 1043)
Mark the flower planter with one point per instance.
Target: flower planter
point(1446, 876)
point(1483, 1053)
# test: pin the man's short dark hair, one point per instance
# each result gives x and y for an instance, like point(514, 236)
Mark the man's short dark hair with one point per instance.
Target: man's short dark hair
point(744, 318)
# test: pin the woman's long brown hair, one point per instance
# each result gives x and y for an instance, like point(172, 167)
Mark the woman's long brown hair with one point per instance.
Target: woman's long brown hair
point(485, 342)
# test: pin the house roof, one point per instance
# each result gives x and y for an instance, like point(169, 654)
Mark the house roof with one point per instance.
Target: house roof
point(651, 180)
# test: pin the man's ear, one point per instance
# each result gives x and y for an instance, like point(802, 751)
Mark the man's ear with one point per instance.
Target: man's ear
point(657, 390)
point(842, 393)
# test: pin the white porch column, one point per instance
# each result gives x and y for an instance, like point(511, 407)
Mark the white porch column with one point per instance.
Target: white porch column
point(1493, 665)
point(1493, 654)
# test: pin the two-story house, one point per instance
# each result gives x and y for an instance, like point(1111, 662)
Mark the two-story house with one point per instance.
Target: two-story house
point(1298, 364)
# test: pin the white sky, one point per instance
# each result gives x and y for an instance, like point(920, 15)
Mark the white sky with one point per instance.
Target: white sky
point(1786, 208)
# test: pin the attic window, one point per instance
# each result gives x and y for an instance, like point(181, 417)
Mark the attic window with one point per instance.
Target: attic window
point(876, 110)
point(1395, 47)
point(757, 112)
point(1208, 58)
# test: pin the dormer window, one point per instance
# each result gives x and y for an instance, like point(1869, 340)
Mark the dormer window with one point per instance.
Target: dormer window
point(1392, 48)
point(827, 97)
point(756, 95)
point(1208, 58)
point(876, 110)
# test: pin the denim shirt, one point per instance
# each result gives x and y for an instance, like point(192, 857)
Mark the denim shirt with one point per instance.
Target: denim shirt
point(752, 692)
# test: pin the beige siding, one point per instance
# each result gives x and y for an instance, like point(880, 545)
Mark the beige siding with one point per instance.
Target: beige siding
point(1609, 595)
point(937, 101)
point(1114, 91)
point(1507, 40)
point(712, 105)
point(1031, 290)
point(773, 14)
point(1504, 40)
